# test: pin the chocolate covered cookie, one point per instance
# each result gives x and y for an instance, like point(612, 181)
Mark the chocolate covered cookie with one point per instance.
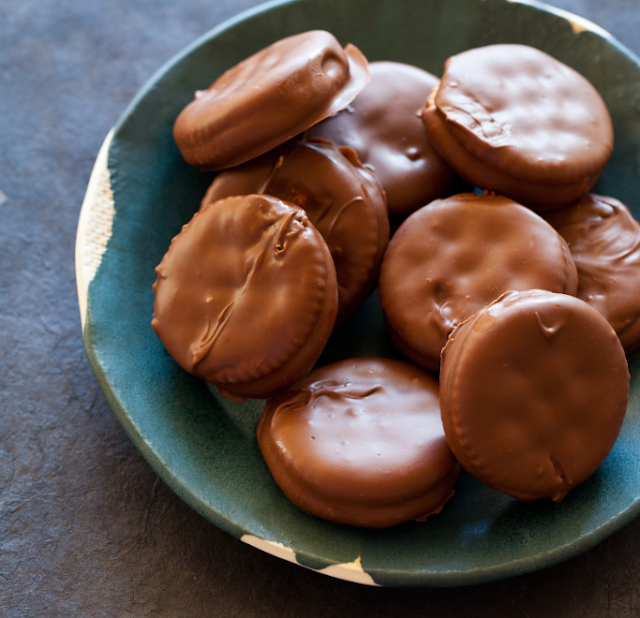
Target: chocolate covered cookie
point(360, 442)
point(246, 296)
point(534, 390)
point(342, 198)
point(451, 258)
point(513, 120)
point(269, 98)
point(383, 127)
point(604, 240)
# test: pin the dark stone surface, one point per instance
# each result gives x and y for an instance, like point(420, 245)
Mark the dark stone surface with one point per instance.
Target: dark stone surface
point(86, 527)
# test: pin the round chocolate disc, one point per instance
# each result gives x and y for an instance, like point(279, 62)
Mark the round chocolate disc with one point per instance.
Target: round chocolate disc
point(269, 98)
point(246, 295)
point(604, 240)
point(360, 442)
point(342, 198)
point(456, 255)
point(513, 120)
point(534, 390)
point(383, 127)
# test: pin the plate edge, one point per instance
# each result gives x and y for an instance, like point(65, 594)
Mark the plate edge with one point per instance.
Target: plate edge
point(349, 571)
point(94, 225)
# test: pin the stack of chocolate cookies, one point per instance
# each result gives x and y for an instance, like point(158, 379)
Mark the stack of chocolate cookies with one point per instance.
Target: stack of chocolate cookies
point(513, 292)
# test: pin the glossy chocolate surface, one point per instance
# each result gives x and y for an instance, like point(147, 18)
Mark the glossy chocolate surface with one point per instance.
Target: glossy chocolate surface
point(360, 442)
point(383, 127)
point(454, 256)
point(246, 295)
point(534, 390)
point(269, 98)
point(341, 197)
point(604, 240)
point(513, 120)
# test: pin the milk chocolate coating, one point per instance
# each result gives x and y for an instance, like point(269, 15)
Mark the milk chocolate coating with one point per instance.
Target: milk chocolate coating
point(533, 392)
point(246, 296)
point(269, 98)
point(342, 198)
point(360, 442)
point(383, 127)
point(513, 120)
point(451, 258)
point(604, 240)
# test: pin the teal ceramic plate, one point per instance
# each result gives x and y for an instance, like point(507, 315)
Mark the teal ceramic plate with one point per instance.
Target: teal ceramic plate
point(140, 195)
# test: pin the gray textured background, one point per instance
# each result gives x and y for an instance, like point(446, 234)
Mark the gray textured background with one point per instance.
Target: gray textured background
point(86, 527)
